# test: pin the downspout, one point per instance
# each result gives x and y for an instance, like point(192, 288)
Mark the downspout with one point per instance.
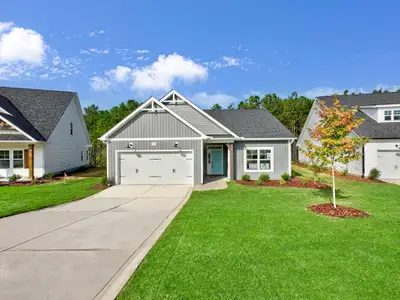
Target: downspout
point(363, 162)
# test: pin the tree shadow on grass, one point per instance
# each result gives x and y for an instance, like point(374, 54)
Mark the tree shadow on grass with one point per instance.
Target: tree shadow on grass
point(327, 194)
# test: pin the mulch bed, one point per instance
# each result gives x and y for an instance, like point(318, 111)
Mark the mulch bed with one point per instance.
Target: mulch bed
point(340, 211)
point(294, 182)
point(338, 174)
point(99, 186)
point(29, 182)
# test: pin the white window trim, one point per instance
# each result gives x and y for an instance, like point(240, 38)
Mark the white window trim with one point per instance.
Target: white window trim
point(391, 115)
point(258, 160)
point(9, 158)
point(23, 158)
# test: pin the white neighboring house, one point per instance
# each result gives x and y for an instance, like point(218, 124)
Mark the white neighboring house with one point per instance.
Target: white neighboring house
point(41, 132)
point(382, 126)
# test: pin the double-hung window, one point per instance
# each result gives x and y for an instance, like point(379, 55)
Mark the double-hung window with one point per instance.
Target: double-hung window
point(396, 115)
point(258, 160)
point(388, 115)
point(4, 159)
point(18, 158)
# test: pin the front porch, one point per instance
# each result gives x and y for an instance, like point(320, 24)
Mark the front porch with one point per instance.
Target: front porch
point(18, 159)
point(217, 161)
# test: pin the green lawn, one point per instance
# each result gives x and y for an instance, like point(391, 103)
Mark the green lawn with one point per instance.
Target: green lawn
point(19, 199)
point(261, 243)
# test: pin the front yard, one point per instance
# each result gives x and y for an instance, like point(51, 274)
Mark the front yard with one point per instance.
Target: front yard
point(20, 199)
point(261, 243)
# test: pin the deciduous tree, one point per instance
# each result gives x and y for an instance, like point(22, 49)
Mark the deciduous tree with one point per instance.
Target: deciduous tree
point(333, 140)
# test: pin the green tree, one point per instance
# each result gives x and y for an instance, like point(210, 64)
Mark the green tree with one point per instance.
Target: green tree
point(251, 102)
point(216, 106)
point(345, 92)
point(231, 106)
point(332, 141)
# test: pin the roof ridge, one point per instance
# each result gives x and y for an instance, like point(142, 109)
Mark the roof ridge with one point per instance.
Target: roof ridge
point(33, 89)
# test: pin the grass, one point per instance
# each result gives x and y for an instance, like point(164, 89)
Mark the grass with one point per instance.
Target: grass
point(20, 199)
point(261, 243)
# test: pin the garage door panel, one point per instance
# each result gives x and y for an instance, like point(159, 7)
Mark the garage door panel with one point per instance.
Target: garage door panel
point(389, 164)
point(156, 167)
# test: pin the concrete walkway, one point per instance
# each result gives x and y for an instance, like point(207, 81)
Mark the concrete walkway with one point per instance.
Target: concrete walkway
point(78, 250)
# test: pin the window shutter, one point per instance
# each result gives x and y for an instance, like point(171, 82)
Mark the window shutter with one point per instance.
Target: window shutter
point(26, 158)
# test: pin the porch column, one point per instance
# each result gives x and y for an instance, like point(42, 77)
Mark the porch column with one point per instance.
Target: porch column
point(31, 154)
point(230, 161)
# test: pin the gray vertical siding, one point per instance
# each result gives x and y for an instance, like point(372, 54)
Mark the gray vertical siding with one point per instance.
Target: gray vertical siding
point(196, 119)
point(195, 145)
point(154, 125)
point(280, 157)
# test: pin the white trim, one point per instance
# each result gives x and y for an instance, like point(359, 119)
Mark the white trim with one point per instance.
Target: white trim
point(108, 160)
point(157, 139)
point(202, 162)
point(379, 106)
point(245, 170)
point(26, 142)
point(17, 128)
point(392, 115)
point(117, 155)
point(266, 139)
point(139, 109)
point(11, 158)
point(228, 169)
point(290, 157)
point(200, 111)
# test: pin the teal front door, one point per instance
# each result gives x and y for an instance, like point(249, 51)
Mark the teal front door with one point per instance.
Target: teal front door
point(215, 165)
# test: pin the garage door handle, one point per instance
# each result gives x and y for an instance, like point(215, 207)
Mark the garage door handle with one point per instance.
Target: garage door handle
point(137, 171)
point(173, 170)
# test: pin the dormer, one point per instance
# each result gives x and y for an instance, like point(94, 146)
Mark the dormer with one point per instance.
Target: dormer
point(382, 113)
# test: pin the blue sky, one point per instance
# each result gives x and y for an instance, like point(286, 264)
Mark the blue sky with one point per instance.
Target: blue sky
point(210, 51)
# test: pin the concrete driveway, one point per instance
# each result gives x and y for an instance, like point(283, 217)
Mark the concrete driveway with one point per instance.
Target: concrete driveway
point(77, 250)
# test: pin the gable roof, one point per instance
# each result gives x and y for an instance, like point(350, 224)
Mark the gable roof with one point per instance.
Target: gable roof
point(36, 112)
point(251, 123)
point(364, 99)
point(370, 128)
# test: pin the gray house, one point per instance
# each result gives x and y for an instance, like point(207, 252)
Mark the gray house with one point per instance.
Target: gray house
point(172, 141)
point(381, 114)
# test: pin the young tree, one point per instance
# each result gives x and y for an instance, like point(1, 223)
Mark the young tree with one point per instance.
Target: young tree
point(216, 106)
point(231, 105)
point(333, 141)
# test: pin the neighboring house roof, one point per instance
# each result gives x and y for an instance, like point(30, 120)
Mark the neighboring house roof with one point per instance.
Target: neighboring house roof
point(251, 123)
point(36, 112)
point(364, 99)
point(370, 128)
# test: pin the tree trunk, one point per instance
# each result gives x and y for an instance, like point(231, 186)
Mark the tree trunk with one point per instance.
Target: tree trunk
point(333, 186)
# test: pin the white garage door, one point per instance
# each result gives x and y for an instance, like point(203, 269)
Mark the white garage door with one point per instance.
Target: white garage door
point(389, 164)
point(156, 167)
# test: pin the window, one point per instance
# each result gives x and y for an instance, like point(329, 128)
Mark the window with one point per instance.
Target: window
point(18, 158)
point(388, 115)
point(71, 128)
point(258, 159)
point(4, 159)
point(87, 155)
point(81, 155)
point(396, 114)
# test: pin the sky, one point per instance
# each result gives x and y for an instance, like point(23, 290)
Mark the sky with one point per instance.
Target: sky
point(217, 51)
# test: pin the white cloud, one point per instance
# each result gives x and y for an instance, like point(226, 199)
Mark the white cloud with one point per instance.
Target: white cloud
point(5, 26)
point(227, 61)
point(94, 51)
point(159, 76)
point(119, 74)
point(204, 99)
point(142, 51)
point(230, 61)
point(165, 71)
point(20, 44)
point(99, 84)
point(96, 33)
point(143, 58)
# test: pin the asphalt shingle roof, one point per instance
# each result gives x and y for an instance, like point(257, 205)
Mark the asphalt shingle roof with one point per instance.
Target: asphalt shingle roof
point(251, 123)
point(37, 112)
point(371, 128)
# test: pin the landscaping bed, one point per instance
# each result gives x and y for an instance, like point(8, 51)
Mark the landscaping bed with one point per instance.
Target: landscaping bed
point(296, 182)
point(29, 182)
point(327, 209)
point(99, 186)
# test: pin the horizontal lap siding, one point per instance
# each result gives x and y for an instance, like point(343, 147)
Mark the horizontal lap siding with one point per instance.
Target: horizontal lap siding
point(196, 119)
point(280, 156)
point(154, 125)
point(195, 145)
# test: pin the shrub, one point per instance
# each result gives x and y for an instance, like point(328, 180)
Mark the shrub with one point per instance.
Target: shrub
point(374, 174)
point(14, 178)
point(106, 181)
point(305, 180)
point(48, 176)
point(246, 177)
point(258, 182)
point(264, 177)
point(285, 176)
point(282, 181)
point(35, 181)
point(345, 172)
